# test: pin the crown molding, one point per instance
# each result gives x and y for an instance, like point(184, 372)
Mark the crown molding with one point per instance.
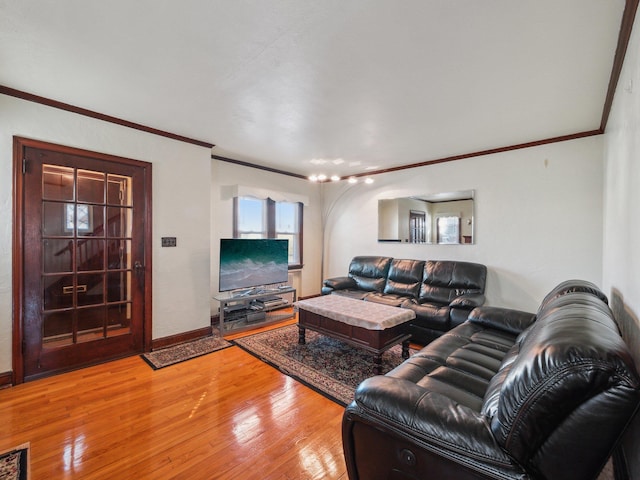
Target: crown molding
point(12, 92)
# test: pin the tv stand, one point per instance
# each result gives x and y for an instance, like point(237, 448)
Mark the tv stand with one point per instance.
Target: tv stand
point(243, 293)
point(241, 310)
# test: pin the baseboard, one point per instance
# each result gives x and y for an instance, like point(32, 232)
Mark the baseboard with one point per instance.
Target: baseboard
point(6, 379)
point(310, 296)
point(180, 338)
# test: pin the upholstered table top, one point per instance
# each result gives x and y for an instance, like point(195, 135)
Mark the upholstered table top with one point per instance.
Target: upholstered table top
point(360, 313)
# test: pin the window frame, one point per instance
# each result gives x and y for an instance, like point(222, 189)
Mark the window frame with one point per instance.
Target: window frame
point(72, 219)
point(271, 225)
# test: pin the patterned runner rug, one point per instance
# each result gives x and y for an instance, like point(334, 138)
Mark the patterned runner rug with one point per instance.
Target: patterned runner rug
point(184, 351)
point(14, 463)
point(329, 366)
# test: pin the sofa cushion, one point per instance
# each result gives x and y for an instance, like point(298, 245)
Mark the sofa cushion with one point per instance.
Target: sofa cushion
point(430, 315)
point(404, 277)
point(370, 273)
point(459, 366)
point(354, 293)
point(339, 283)
point(445, 280)
point(392, 300)
point(572, 286)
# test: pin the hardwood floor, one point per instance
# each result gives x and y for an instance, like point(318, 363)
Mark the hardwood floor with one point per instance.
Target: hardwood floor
point(225, 415)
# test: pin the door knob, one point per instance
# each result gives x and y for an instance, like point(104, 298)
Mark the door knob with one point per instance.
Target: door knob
point(139, 268)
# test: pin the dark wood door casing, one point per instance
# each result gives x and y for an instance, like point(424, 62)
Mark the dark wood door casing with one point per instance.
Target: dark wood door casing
point(20, 304)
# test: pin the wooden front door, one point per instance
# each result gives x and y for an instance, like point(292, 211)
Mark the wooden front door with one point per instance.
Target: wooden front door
point(83, 247)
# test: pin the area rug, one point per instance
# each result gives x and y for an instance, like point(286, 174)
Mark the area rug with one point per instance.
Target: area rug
point(329, 366)
point(14, 463)
point(184, 351)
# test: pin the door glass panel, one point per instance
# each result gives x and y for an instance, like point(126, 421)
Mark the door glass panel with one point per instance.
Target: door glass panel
point(118, 319)
point(54, 219)
point(90, 255)
point(57, 182)
point(90, 324)
point(119, 254)
point(90, 289)
point(119, 286)
point(57, 291)
point(58, 328)
point(89, 219)
point(57, 255)
point(119, 190)
point(119, 222)
point(417, 227)
point(90, 186)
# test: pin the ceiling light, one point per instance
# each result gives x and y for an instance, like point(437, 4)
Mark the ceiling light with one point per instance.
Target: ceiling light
point(313, 178)
point(368, 180)
point(322, 177)
point(335, 178)
point(352, 180)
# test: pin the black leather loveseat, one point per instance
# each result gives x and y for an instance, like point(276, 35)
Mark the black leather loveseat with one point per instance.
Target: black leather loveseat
point(507, 394)
point(441, 293)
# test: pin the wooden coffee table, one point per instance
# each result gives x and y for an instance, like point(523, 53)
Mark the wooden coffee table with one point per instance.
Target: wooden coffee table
point(372, 326)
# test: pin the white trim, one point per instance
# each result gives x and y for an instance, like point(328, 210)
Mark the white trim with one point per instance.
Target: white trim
point(262, 193)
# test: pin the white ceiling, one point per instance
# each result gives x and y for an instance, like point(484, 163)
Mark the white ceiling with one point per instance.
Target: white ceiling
point(333, 86)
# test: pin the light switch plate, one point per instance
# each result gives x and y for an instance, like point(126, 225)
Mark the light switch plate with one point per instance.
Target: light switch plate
point(168, 241)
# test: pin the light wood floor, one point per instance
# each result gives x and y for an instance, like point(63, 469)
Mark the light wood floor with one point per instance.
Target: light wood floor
point(225, 415)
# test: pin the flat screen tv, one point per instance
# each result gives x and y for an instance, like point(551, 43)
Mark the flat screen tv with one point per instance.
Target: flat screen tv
point(249, 263)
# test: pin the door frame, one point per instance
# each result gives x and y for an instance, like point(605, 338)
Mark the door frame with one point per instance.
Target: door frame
point(18, 274)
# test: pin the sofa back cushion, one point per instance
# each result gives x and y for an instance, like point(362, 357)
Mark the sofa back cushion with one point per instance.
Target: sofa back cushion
point(405, 277)
point(445, 280)
point(571, 286)
point(568, 385)
point(370, 273)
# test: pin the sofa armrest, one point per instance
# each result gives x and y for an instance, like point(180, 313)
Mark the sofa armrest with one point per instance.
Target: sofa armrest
point(340, 283)
point(468, 301)
point(427, 420)
point(506, 319)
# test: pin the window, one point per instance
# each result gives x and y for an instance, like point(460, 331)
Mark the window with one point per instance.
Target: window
point(83, 222)
point(251, 218)
point(257, 218)
point(448, 229)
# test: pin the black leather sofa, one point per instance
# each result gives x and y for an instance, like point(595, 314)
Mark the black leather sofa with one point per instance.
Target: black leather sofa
point(505, 395)
point(441, 293)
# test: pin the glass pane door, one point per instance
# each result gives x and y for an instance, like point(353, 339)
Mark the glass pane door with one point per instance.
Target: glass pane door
point(86, 255)
point(85, 277)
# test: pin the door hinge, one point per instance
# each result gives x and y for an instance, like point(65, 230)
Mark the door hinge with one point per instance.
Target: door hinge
point(24, 166)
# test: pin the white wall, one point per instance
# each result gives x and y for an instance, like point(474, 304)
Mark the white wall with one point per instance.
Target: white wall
point(181, 207)
point(622, 185)
point(538, 218)
point(621, 260)
point(224, 176)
